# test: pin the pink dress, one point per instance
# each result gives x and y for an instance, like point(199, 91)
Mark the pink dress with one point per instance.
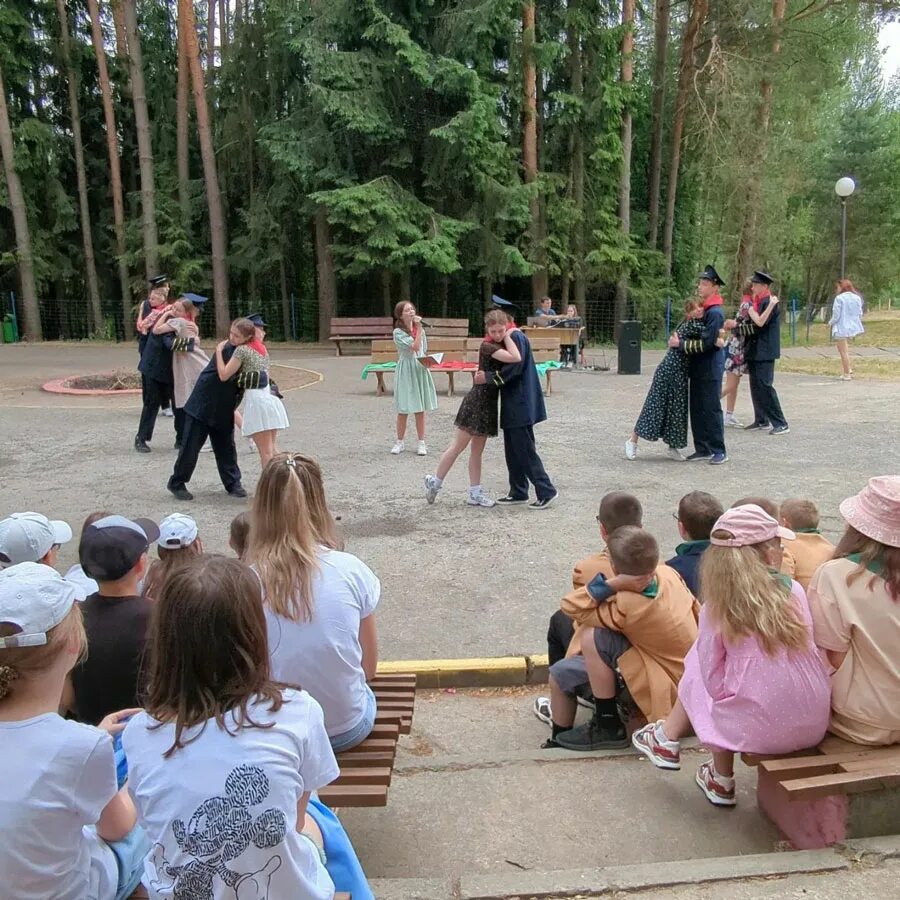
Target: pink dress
point(740, 698)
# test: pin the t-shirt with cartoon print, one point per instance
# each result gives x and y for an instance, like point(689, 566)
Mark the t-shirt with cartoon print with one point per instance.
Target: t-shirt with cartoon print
point(221, 811)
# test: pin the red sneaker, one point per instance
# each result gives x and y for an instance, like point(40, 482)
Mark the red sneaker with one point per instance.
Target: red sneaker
point(664, 754)
point(719, 789)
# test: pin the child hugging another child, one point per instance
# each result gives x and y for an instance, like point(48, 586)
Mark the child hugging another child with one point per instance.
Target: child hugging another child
point(68, 831)
point(476, 419)
point(754, 681)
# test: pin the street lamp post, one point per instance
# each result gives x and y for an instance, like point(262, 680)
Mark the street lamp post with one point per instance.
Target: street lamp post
point(844, 187)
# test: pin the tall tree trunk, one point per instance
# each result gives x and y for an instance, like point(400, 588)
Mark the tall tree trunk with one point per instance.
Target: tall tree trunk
point(327, 287)
point(115, 172)
point(210, 174)
point(90, 264)
point(182, 117)
point(576, 77)
point(118, 16)
point(759, 147)
point(696, 18)
point(529, 145)
point(210, 37)
point(145, 149)
point(625, 175)
point(285, 297)
point(660, 54)
point(387, 301)
point(223, 25)
point(32, 329)
point(444, 294)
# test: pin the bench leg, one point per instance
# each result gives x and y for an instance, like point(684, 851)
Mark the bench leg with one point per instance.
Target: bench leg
point(549, 389)
point(379, 388)
point(450, 384)
point(337, 346)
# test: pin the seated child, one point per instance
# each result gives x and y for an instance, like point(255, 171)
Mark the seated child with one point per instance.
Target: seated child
point(83, 584)
point(642, 621)
point(754, 682)
point(809, 549)
point(220, 742)
point(239, 534)
point(617, 508)
point(770, 507)
point(113, 551)
point(31, 537)
point(68, 831)
point(855, 603)
point(697, 513)
point(178, 543)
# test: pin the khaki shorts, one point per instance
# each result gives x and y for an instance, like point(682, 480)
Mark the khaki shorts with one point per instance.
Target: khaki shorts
point(860, 733)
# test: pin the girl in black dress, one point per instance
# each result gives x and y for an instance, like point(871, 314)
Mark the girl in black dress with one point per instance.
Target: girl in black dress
point(476, 419)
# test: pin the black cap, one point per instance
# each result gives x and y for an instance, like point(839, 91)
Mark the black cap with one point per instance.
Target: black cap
point(196, 299)
point(159, 280)
point(761, 278)
point(111, 547)
point(500, 303)
point(710, 274)
point(257, 320)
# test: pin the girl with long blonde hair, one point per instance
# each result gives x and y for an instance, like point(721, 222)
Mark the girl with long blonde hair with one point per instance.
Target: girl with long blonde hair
point(754, 681)
point(320, 601)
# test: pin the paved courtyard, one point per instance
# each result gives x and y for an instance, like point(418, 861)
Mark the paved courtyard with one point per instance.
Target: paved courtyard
point(458, 581)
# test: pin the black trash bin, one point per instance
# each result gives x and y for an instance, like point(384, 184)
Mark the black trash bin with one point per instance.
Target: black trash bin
point(630, 347)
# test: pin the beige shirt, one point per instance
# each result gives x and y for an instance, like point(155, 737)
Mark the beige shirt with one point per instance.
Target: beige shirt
point(808, 551)
point(862, 620)
point(186, 367)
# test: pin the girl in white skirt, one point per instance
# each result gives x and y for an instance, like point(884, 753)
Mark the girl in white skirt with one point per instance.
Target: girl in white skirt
point(264, 413)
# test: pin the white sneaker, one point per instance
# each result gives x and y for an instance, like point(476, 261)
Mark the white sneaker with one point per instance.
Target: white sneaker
point(676, 454)
point(541, 709)
point(630, 449)
point(731, 421)
point(398, 448)
point(846, 378)
point(167, 412)
point(422, 449)
point(480, 499)
point(431, 488)
point(207, 447)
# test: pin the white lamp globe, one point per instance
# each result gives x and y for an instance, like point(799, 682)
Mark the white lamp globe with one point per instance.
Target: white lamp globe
point(844, 187)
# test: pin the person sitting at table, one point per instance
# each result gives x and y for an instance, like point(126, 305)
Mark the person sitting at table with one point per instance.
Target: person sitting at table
point(545, 309)
point(568, 353)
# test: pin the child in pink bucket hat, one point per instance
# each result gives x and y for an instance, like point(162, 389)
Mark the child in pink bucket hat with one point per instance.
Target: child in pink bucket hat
point(855, 603)
point(754, 681)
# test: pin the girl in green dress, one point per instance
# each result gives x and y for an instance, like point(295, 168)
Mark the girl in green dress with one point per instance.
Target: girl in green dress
point(414, 392)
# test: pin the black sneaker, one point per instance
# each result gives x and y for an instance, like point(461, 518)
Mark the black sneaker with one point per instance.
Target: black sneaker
point(238, 492)
point(606, 733)
point(718, 458)
point(543, 504)
point(511, 501)
point(700, 457)
point(756, 426)
point(780, 429)
point(180, 493)
point(141, 446)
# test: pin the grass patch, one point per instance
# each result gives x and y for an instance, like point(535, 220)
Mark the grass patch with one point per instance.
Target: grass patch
point(877, 368)
point(882, 330)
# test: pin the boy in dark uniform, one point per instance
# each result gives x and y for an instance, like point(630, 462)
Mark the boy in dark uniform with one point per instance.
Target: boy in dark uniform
point(157, 383)
point(209, 412)
point(521, 408)
point(763, 348)
point(706, 366)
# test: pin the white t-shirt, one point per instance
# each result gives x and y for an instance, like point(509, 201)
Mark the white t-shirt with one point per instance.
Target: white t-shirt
point(221, 812)
point(57, 777)
point(323, 655)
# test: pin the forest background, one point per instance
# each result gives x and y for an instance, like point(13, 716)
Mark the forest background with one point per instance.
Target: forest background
point(313, 158)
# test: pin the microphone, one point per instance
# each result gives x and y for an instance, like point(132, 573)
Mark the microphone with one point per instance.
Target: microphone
point(425, 324)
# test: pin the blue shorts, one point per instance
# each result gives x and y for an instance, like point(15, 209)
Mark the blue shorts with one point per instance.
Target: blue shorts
point(130, 854)
point(359, 732)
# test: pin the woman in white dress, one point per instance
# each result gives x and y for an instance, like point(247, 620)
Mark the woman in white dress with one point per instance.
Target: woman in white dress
point(264, 413)
point(846, 322)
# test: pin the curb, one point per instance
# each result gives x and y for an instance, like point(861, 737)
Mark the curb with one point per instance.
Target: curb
point(501, 671)
point(642, 877)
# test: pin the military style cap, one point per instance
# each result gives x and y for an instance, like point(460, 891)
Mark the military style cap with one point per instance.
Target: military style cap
point(710, 274)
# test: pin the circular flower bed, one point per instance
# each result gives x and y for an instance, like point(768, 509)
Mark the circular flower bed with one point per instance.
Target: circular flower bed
point(120, 382)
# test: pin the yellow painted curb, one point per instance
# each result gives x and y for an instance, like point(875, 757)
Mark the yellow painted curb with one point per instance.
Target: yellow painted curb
point(474, 672)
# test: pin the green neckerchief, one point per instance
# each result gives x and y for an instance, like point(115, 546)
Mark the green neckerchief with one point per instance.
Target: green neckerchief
point(784, 579)
point(651, 590)
point(806, 531)
point(687, 546)
point(876, 566)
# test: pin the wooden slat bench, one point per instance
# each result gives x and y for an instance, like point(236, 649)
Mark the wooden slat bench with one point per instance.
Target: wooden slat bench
point(366, 769)
point(460, 358)
point(382, 327)
point(831, 793)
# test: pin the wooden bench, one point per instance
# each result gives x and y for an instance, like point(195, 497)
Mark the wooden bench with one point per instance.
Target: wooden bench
point(366, 769)
point(460, 357)
point(382, 328)
point(836, 791)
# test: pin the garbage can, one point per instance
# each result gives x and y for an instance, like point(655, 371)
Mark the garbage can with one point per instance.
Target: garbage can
point(629, 347)
point(10, 331)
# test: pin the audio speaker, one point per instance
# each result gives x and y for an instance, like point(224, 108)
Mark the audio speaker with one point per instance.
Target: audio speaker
point(630, 347)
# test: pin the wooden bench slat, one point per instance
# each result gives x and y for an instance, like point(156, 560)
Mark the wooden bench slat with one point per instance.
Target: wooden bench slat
point(380, 745)
point(385, 731)
point(393, 678)
point(358, 760)
point(826, 763)
point(355, 795)
point(841, 783)
point(364, 775)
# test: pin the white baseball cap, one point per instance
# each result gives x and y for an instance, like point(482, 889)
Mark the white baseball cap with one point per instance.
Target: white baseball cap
point(28, 537)
point(177, 530)
point(34, 598)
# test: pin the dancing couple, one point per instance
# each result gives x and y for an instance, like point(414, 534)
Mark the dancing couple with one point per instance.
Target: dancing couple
point(505, 368)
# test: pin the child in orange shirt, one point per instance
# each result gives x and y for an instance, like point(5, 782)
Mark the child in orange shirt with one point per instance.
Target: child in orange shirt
point(788, 564)
point(809, 548)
